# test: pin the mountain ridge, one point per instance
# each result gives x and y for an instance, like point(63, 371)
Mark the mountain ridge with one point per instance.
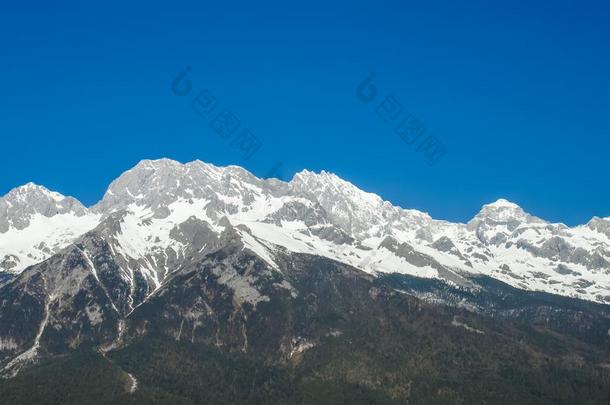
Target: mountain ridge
point(498, 202)
point(317, 213)
point(313, 279)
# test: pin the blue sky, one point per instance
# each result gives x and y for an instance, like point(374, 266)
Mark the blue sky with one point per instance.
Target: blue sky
point(517, 92)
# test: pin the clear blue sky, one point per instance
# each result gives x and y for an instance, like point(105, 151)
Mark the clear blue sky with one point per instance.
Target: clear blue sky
point(518, 92)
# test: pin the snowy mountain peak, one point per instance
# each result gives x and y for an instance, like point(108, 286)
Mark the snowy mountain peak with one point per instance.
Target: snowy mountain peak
point(601, 225)
point(504, 211)
point(35, 223)
point(22, 203)
point(158, 184)
point(503, 203)
point(327, 184)
point(30, 191)
point(153, 183)
point(355, 211)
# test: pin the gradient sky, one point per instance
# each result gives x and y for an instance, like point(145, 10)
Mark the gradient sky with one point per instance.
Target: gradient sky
point(518, 92)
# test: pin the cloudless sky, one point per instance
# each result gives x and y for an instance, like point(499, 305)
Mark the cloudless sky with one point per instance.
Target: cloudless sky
point(518, 93)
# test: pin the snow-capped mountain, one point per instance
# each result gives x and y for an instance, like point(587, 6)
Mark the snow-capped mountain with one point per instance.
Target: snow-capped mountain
point(160, 214)
point(36, 223)
point(313, 277)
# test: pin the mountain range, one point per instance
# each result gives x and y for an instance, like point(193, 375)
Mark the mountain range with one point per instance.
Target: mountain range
point(325, 292)
point(152, 212)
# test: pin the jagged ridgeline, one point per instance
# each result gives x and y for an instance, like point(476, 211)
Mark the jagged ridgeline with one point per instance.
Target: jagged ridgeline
point(191, 283)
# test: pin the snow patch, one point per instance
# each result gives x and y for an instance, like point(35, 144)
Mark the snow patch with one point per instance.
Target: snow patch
point(459, 324)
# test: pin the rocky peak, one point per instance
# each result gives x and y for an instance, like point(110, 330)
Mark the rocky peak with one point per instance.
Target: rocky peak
point(601, 225)
point(327, 184)
point(502, 212)
point(158, 183)
point(22, 203)
point(357, 212)
point(352, 209)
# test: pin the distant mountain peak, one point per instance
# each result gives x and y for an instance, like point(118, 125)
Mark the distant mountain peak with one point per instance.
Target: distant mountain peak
point(20, 204)
point(503, 210)
point(32, 190)
point(503, 203)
